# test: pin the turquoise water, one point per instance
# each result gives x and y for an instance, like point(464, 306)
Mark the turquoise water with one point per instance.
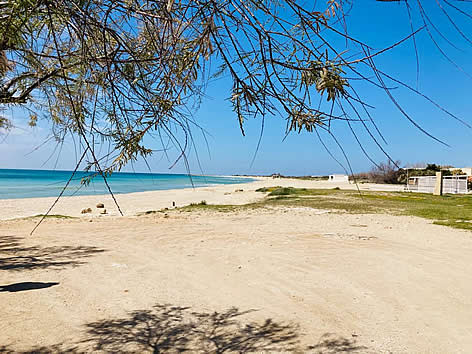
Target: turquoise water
point(16, 184)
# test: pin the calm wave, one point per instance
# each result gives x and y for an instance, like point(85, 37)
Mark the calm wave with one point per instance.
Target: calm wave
point(43, 183)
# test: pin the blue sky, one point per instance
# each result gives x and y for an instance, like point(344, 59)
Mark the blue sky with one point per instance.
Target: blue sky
point(376, 23)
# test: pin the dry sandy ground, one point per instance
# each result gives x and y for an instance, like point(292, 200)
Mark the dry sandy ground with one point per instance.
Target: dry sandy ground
point(133, 203)
point(270, 280)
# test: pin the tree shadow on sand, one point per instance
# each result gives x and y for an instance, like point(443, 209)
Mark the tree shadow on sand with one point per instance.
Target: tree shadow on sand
point(16, 257)
point(331, 343)
point(173, 329)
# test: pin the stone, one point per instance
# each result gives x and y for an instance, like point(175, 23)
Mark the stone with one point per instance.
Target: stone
point(104, 211)
point(100, 205)
point(439, 183)
point(86, 211)
point(239, 190)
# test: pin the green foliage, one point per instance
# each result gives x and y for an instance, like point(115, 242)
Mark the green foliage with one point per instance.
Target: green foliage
point(113, 72)
point(267, 189)
point(5, 123)
point(203, 202)
point(429, 170)
point(433, 167)
point(391, 173)
point(286, 191)
point(211, 207)
point(54, 216)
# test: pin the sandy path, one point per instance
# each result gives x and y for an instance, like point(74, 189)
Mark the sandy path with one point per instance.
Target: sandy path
point(360, 283)
point(133, 203)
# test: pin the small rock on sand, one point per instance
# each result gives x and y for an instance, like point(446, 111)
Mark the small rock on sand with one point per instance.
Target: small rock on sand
point(100, 205)
point(104, 211)
point(239, 190)
point(86, 211)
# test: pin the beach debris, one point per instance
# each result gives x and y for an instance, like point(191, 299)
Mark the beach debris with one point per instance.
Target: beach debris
point(228, 193)
point(166, 215)
point(100, 205)
point(346, 236)
point(239, 190)
point(104, 211)
point(119, 265)
point(173, 204)
point(367, 237)
point(86, 211)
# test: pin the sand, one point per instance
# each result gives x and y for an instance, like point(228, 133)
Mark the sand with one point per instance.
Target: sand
point(133, 203)
point(263, 280)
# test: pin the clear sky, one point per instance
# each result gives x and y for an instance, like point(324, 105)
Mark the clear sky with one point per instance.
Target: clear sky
point(379, 24)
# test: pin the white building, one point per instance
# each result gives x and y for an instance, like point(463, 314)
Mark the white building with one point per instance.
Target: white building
point(339, 178)
point(466, 170)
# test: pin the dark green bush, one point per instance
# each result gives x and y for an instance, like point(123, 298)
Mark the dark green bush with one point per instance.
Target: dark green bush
point(285, 191)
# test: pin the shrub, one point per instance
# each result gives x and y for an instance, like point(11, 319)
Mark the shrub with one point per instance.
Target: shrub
point(203, 202)
point(267, 189)
point(285, 191)
point(385, 173)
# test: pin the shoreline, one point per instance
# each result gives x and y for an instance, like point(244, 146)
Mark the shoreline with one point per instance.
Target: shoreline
point(18, 184)
point(139, 202)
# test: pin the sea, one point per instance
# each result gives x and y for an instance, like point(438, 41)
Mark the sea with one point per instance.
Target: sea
point(16, 184)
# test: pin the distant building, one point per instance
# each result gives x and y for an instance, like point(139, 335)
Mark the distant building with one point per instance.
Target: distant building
point(466, 170)
point(338, 178)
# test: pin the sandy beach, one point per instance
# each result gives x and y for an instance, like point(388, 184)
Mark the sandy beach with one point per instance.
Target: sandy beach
point(268, 280)
point(133, 203)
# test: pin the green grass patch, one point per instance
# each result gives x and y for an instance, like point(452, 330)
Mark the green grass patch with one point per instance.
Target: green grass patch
point(55, 216)
point(286, 191)
point(210, 207)
point(150, 212)
point(267, 189)
point(448, 210)
point(51, 216)
point(455, 224)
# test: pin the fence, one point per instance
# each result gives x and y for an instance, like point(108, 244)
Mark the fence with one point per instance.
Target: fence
point(425, 184)
point(455, 184)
